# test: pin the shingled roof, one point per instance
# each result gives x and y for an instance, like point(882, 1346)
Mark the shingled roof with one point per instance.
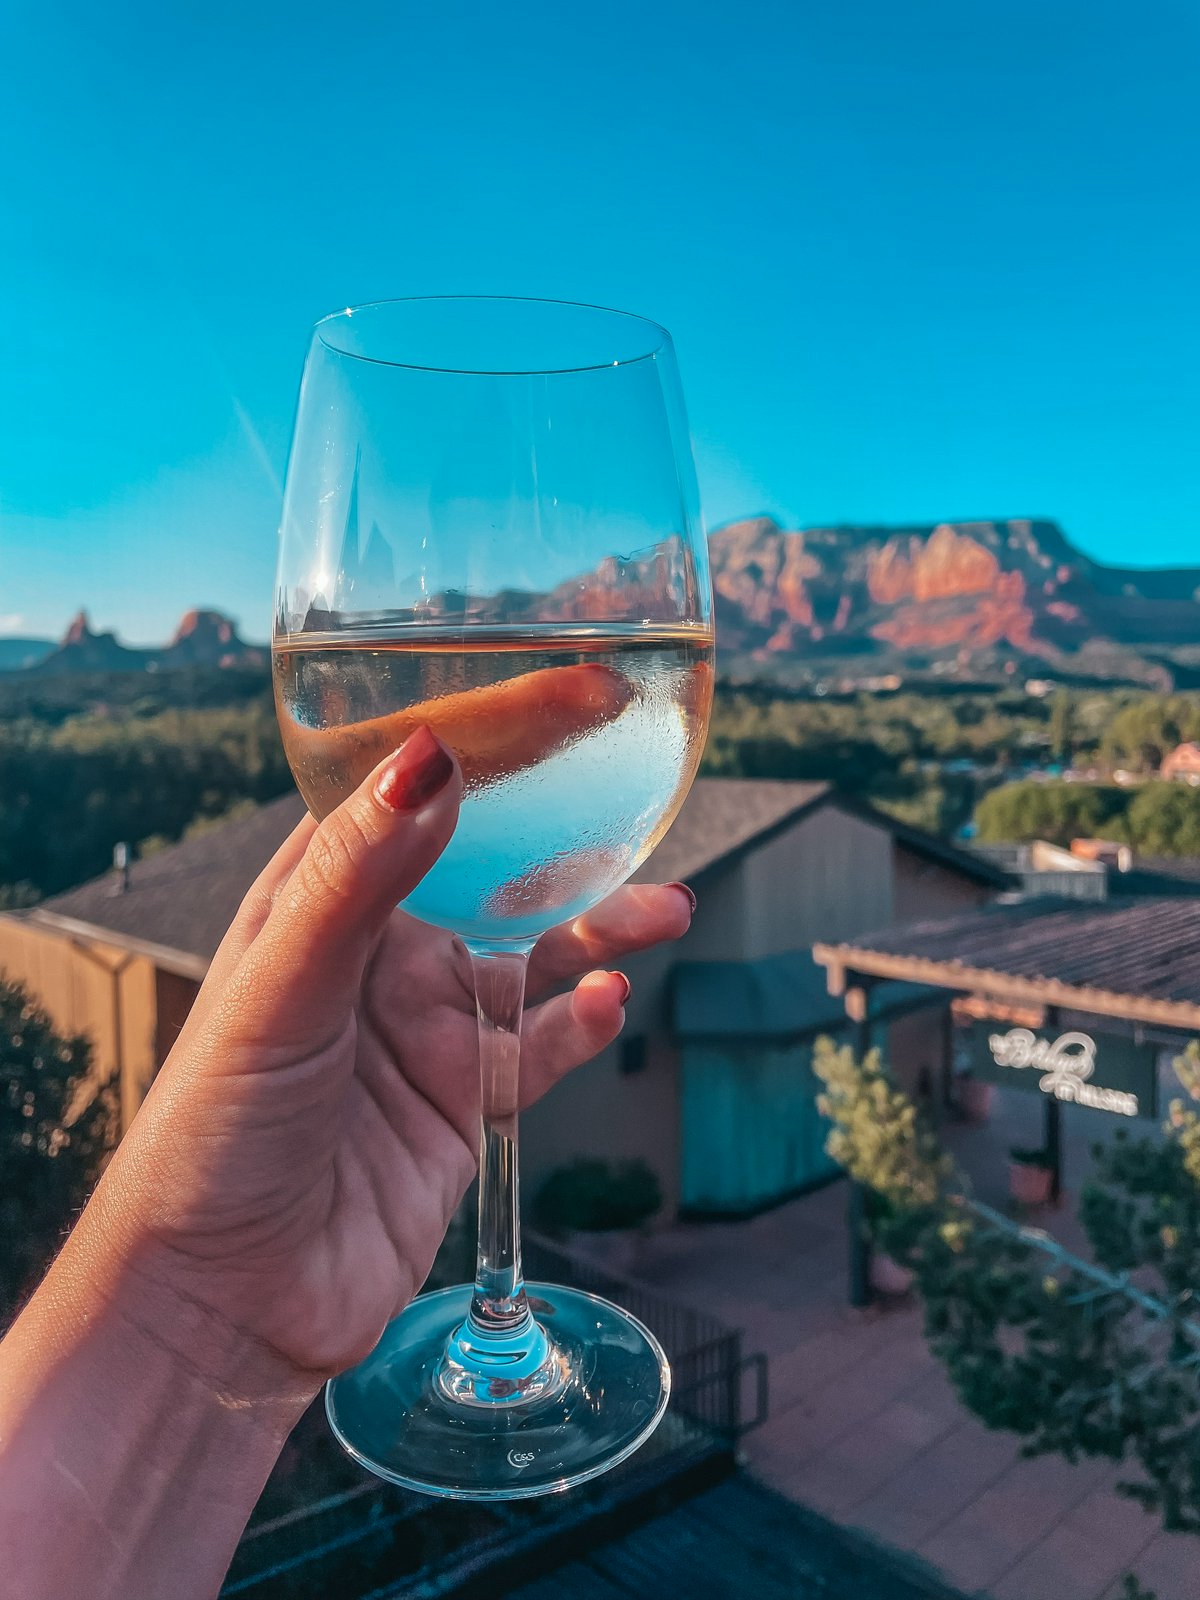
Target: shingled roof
point(722, 817)
point(1138, 959)
point(180, 902)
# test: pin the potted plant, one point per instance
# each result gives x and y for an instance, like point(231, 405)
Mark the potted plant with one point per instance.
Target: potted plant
point(600, 1208)
point(888, 1277)
point(879, 1138)
point(1030, 1176)
point(975, 1097)
point(890, 1231)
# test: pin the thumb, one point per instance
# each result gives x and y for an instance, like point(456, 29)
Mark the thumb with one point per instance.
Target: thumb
point(362, 859)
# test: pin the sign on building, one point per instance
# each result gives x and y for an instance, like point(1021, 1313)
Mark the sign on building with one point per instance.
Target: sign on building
point(1107, 1071)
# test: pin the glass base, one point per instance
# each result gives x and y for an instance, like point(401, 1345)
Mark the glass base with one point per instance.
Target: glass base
point(405, 1415)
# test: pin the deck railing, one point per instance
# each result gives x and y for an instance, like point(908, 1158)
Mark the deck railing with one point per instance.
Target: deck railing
point(711, 1378)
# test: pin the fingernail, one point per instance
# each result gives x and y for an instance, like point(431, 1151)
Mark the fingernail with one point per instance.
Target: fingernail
point(683, 889)
point(628, 986)
point(415, 773)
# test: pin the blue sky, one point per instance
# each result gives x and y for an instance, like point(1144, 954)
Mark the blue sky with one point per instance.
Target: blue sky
point(926, 260)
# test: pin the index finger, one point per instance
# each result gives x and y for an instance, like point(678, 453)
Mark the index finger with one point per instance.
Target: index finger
point(258, 900)
point(494, 731)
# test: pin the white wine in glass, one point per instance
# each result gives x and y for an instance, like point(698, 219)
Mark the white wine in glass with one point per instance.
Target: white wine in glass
point(577, 746)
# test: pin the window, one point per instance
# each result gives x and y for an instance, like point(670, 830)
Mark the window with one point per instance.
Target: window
point(634, 1056)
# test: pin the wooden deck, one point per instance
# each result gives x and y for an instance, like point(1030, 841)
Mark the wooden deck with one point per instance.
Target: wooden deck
point(739, 1539)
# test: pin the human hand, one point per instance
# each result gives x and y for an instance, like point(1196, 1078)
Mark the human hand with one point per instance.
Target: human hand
point(303, 1149)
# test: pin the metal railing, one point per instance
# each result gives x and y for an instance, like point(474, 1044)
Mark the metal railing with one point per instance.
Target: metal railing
point(709, 1369)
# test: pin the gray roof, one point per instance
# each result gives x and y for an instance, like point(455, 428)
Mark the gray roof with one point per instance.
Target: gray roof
point(723, 817)
point(720, 818)
point(1147, 949)
point(1158, 875)
point(183, 899)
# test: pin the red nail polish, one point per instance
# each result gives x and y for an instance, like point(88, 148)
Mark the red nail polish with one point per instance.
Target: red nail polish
point(415, 773)
point(683, 889)
point(628, 986)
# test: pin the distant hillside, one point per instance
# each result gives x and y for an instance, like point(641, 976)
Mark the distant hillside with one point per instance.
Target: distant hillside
point(18, 653)
point(203, 638)
point(972, 599)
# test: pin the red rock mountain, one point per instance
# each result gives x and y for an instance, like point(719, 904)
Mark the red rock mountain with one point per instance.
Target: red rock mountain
point(987, 598)
point(208, 637)
point(203, 638)
point(978, 600)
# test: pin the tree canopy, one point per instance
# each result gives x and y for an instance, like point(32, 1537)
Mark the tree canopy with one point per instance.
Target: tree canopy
point(143, 759)
point(1058, 812)
point(88, 762)
point(56, 1128)
point(1156, 819)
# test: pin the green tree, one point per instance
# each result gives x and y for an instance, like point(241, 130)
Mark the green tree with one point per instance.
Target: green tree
point(1164, 820)
point(55, 1131)
point(1058, 812)
point(70, 792)
point(1062, 726)
point(1141, 733)
point(18, 896)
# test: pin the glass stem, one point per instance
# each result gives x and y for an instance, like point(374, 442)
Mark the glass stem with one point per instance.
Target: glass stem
point(498, 1305)
point(499, 1355)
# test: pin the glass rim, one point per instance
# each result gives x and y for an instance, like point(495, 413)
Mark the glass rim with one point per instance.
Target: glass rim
point(661, 336)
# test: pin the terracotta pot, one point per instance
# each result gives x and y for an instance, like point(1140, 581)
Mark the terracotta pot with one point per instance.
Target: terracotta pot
point(887, 1276)
point(1029, 1185)
point(975, 1099)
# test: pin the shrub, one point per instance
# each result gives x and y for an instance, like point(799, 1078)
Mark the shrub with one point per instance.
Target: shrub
point(54, 1137)
point(594, 1196)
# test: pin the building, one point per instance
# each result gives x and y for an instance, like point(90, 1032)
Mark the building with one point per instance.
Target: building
point(710, 1083)
point(1183, 762)
point(1092, 869)
point(1081, 1006)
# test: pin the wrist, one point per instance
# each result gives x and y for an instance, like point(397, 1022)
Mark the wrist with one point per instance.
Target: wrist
point(117, 1270)
point(125, 1405)
point(154, 1301)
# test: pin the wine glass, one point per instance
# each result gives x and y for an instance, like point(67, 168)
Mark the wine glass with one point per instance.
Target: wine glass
point(491, 527)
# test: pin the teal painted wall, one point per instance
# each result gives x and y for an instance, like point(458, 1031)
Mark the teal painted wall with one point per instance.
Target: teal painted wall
point(751, 1132)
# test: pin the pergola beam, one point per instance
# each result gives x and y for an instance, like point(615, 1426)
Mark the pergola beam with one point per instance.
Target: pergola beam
point(845, 963)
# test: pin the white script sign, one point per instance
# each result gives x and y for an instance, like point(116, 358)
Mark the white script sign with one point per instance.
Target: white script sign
point(1066, 1062)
